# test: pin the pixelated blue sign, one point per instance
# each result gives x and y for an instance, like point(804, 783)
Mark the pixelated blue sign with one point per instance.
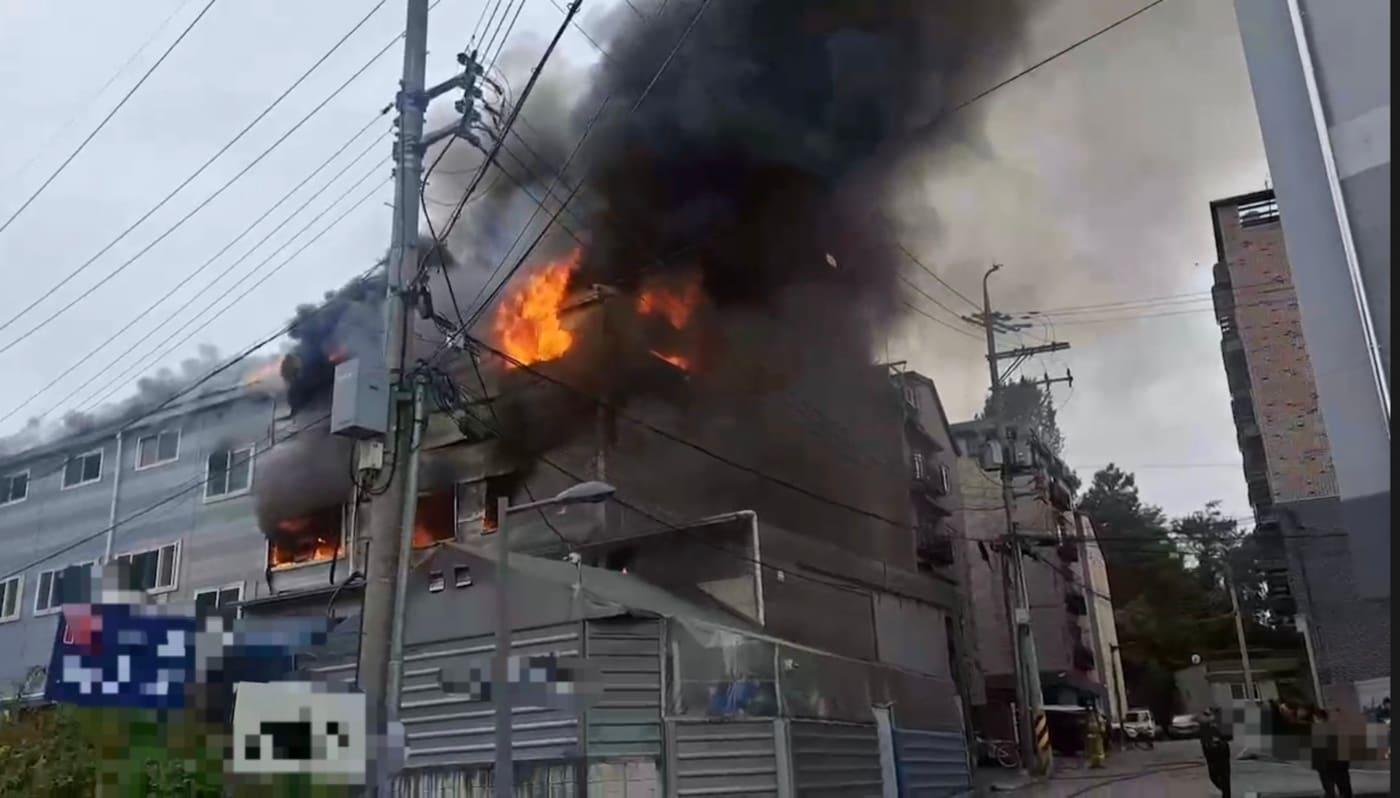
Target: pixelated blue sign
point(118, 655)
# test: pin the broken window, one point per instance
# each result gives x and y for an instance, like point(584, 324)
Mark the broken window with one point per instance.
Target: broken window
point(314, 538)
point(476, 505)
point(433, 522)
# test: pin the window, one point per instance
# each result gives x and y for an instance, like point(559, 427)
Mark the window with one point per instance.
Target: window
point(10, 591)
point(911, 397)
point(61, 586)
point(308, 539)
point(436, 582)
point(944, 481)
point(918, 465)
point(432, 522)
point(84, 469)
point(229, 472)
point(14, 488)
point(462, 576)
point(153, 569)
point(218, 600)
point(157, 449)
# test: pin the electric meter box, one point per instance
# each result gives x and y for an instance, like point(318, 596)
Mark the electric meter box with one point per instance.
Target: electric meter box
point(360, 400)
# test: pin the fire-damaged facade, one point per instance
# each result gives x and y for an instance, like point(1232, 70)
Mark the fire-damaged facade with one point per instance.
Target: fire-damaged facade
point(1070, 608)
point(812, 546)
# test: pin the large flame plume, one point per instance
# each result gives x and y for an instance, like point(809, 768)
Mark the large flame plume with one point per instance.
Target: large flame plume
point(527, 323)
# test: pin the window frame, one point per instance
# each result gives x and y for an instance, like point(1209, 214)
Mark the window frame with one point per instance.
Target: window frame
point(194, 599)
point(229, 452)
point(347, 545)
point(28, 479)
point(18, 580)
point(93, 563)
point(919, 464)
point(174, 569)
point(179, 436)
point(101, 461)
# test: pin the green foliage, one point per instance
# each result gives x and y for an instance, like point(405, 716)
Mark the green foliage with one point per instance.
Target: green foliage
point(1168, 583)
point(1026, 404)
point(43, 753)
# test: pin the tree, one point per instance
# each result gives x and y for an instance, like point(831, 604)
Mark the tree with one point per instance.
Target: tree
point(1025, 404)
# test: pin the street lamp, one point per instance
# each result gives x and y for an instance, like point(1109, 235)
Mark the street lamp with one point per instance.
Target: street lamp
point(591, 492)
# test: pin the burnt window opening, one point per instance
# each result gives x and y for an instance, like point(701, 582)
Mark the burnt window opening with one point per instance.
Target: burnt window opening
point(433, 521)
point(461, 576)
point(436, 581)
point(313, 538)
point(495, 489)
point(620, 559)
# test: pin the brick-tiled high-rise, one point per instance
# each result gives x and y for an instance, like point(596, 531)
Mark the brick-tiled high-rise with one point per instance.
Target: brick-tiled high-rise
point(1283, 439)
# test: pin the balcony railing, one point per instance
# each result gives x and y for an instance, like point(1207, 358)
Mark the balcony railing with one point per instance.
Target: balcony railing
point(934, 547)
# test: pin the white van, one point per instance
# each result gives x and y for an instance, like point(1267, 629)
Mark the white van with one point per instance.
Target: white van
point(1139, 723)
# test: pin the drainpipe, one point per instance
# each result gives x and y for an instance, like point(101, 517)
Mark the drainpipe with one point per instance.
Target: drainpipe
point(112, 510)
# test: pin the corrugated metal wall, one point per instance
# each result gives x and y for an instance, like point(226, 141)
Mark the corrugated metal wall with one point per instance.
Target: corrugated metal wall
point(931, 763)
point(835, 759)
point(552, 780)
point(444, 729)
point(626, 720)
point(730, 757)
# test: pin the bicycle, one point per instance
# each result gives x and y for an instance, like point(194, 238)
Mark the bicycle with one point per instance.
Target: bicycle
point(1003, 752)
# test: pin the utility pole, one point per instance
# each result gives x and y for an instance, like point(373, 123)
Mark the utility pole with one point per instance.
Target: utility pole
point(392, 511)
point(1028, 691)
point(1249, 693)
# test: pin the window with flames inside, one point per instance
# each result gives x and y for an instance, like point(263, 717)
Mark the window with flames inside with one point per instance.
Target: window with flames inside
point(314, 538)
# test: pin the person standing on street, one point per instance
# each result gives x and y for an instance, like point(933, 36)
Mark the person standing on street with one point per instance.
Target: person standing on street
point(1328, 758)
point(1215, 747)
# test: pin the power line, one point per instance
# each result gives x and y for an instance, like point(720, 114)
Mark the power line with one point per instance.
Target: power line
point(335, 222)
point(1265, 287)
point(934, 275)
point(1037, 65)
point(94, 96)
point(110, 339)
point(150, 508)
point(936, 320)
point(100, 125)
point(226, 185)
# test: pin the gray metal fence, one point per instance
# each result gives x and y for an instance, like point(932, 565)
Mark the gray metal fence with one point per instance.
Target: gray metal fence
point(835, 759)
point(729, 757)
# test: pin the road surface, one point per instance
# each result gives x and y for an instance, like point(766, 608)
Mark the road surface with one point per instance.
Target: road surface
point(1172, 769)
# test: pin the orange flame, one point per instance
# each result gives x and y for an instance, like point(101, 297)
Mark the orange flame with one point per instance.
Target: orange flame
point(679, 361)
point(527, 322)
point(676, 305)
point(272, 370)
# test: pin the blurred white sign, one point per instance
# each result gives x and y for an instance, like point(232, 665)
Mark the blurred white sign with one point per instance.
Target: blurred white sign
point(298, 727)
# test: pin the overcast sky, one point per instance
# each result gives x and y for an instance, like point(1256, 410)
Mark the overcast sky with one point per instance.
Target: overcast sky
point(1090, 182)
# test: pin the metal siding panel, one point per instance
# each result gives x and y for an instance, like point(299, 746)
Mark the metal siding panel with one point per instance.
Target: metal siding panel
point(451, 729)
point(931, 763)
point(725, 758)
point(626, 720)
point(836, 759)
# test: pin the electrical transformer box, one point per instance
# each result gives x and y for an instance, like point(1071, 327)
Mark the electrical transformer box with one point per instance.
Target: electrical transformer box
point(360, 400)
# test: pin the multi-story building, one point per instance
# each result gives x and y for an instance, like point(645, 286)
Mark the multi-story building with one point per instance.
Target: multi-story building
point(1103, 628)
point(1286, 443)
point(1057, 582)
point(933, 455)
point(241, 497)
point(1320, 74)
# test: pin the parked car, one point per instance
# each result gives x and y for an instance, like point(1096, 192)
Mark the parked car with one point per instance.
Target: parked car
point(1184, 727)
point(1138, 723)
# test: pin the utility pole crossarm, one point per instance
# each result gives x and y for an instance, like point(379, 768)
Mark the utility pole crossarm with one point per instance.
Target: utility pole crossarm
point(1030, 351)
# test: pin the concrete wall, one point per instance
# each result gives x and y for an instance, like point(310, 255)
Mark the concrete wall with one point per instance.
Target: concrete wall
point(1349, 48)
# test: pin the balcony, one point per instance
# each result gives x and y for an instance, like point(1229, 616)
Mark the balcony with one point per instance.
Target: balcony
point(1076, 604)
point(934, 547)
point(1069, 552)
point(930, 478)
point(1083, 658)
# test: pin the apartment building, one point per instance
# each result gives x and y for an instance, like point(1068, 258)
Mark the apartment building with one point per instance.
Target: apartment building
point(1287, 446)
point(1057, 582)
point(933, 454)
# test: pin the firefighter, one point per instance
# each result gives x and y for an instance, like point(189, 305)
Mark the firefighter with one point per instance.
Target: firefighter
point(1093, 742)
